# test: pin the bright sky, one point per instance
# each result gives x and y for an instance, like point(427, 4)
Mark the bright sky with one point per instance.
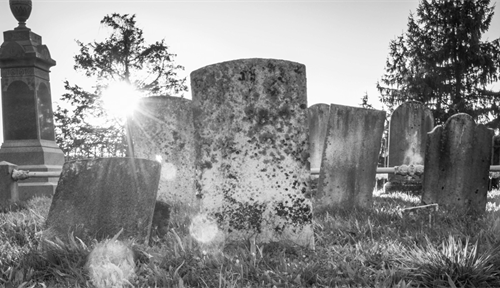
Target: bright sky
point(344, 44)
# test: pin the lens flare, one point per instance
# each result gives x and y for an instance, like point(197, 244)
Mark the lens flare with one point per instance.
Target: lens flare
point(203, 228)
point(159, 158)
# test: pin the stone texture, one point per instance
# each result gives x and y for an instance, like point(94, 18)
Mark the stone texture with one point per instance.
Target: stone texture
point(408, 128)
point(96, 198)
point(318, 116)
point(252, 148)
point(27, 110)
point(495, 160)
point(162, 129)
point(457, 165)
point(8, 187)
point(349, 165)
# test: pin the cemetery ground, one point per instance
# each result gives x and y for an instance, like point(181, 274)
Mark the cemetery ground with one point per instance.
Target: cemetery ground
point(380, 247)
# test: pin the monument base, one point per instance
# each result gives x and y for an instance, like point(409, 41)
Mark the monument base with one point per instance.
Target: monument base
point(35, 156)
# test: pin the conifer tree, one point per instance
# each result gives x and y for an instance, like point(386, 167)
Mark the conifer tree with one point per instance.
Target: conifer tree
point(443, 62)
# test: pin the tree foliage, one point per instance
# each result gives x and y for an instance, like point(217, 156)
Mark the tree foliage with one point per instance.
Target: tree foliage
point(83, 127)
point(442, 61)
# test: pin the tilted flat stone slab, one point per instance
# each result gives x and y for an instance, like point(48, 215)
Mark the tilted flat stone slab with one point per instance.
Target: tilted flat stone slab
point(457, 164)
point(349, 165)
point(96, 198)
point(253, 150)
point(408, 128)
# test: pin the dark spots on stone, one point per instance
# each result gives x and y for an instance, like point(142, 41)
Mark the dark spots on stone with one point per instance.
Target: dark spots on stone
point(298, 213)
point(232, 176)
point(284, 111)
point(249, 111)
point(442, 187)
point(241, 216)
point(298, 70)
point(265, 137)
point(182, 145)
point(303, 106)
point(206, 165)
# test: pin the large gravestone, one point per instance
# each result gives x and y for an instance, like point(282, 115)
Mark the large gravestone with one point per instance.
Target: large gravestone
point(457, 163)
point(28, 127)
point(252, 148)
point(352, 147)
point(408, 128)
point(95, 198)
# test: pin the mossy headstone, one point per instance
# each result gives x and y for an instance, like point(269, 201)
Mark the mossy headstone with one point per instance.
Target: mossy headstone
point(352, 147)
point(252, 148)
point(457, 163)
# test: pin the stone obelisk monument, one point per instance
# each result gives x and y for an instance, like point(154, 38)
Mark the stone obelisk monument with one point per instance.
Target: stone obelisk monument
point(28, 122)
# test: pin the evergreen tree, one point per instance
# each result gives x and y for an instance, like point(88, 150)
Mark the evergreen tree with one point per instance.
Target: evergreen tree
point(442, 61)
point(83, 127)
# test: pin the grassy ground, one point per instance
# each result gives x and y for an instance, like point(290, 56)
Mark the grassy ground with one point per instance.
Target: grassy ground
point(354, 248)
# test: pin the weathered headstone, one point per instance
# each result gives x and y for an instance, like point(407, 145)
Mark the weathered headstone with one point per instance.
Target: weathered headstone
point(457, 163)
point(252, 148)
point(352, 147)
point(408, 129)
point(28, 127)
point(95, 198)
point(318, 115)
point(162, 129)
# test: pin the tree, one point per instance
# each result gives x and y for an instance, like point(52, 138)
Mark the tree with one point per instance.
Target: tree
point(85, 129)
point(442, 62)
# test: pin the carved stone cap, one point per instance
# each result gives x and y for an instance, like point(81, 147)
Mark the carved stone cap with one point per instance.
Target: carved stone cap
point(21, 9)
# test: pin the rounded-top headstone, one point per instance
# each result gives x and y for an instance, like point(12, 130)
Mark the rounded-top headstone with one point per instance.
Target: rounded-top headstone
point(21, 9)
point(253, 148)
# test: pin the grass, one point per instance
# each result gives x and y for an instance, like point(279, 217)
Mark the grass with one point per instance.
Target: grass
point(379, 247)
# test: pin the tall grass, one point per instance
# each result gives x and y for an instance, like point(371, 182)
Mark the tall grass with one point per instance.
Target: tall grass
point(378, 247)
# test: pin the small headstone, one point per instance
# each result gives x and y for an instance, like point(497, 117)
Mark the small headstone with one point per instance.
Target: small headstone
point(408, 129)
point(253, 150)
point(162, 129)
point(96, 198)
point(457, 163)
point(352, 147)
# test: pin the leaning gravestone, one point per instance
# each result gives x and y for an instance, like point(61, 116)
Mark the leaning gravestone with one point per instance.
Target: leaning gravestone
point(95, 198)
point(253, 150)
point(162, 129)
point(408, 129)
point(352, 147)
point(457, 163)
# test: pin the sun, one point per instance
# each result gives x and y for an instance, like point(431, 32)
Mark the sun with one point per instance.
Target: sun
point(120, 99)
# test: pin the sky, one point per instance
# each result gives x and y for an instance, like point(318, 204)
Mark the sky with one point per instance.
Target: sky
point(343, 44)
